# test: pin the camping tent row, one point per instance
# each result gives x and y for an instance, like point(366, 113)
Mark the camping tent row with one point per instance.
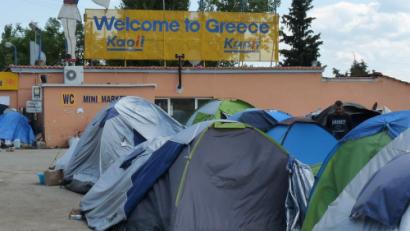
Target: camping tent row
point(155, 173)
point(310, 142)
point(114, 132)
point(304, 139)
point(214, 175)
point(363, 184)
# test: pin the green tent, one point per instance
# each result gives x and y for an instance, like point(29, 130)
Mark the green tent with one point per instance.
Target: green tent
point(218, 109)
point(351, 154)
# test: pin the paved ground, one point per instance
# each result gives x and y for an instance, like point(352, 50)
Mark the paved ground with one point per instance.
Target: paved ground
point(27, 206)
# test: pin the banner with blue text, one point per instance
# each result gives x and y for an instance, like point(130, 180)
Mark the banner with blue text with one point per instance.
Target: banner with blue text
point(160, 35)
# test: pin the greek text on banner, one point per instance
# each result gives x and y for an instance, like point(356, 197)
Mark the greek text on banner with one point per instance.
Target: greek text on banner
point(160, 35)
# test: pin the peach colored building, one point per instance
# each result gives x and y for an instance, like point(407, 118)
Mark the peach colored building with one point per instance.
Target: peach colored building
point(298, 90)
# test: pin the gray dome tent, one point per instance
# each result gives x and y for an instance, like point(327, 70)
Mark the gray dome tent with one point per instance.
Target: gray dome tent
point(214, 175)
point(113, 133)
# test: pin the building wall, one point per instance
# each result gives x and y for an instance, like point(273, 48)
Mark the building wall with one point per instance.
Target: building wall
point(62, 121)
point(13, 97)
point(261, 90)
point(295, 91)
point(27, 80)
point(385, 91)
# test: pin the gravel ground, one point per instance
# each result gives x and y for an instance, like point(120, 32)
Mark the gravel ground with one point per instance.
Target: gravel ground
point(27, 206)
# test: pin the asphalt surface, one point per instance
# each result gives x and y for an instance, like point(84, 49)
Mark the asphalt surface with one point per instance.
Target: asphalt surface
point(27, 206)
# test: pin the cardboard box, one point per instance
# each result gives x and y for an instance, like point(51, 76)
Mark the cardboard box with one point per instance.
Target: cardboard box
point(53, 177)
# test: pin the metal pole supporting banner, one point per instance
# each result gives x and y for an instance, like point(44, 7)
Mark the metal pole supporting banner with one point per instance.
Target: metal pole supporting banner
point(179, 57)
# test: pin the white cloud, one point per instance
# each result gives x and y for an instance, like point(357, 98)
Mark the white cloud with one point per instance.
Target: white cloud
point(368, 31)
point(395, 5)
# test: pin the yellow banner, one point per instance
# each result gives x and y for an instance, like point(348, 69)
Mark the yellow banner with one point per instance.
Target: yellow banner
point(9, 81)
point(160, 35)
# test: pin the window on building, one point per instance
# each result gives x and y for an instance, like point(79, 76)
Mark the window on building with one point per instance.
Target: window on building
point(181, 108)
point(163, 104)
point(201, 102)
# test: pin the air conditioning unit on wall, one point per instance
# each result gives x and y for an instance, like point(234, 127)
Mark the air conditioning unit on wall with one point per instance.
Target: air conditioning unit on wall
point(73, 75)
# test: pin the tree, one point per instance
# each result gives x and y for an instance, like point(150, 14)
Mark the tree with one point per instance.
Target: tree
point(359, 69)
point(52, 43)
point(155, 5)
point(79, 33)
point(15, 35)
point(239, 6)
point(304, 43)
point(337, 74)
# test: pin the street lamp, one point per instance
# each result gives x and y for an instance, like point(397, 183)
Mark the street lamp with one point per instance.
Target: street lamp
point(11, 45)
point(35, 28)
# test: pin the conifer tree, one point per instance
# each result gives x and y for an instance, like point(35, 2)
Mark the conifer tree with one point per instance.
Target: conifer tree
point(302, 41)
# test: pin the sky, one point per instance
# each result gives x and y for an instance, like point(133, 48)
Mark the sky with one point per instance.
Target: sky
point(376, 31)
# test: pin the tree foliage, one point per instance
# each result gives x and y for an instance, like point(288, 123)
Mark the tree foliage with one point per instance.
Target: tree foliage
point(52, 43)
point(357, 69)
point(239, 6)
point(302, 41)
point(155, 4)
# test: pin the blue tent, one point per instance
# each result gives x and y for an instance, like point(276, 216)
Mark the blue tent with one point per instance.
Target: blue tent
point(261, 119)
point(303, 138)
point(279, 115)
point(15, 126)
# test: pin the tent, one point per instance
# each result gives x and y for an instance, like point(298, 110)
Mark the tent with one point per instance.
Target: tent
point(214, 175)
point(62, 162)
point(357, 112)
point(382, 184)
point(218, 109)
point(386, 196)
point(3, 107)
point(303, 138)
point(348, 158)
point(261, 119)
point(15, 127)
point(114, 132)
point(279, 115)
